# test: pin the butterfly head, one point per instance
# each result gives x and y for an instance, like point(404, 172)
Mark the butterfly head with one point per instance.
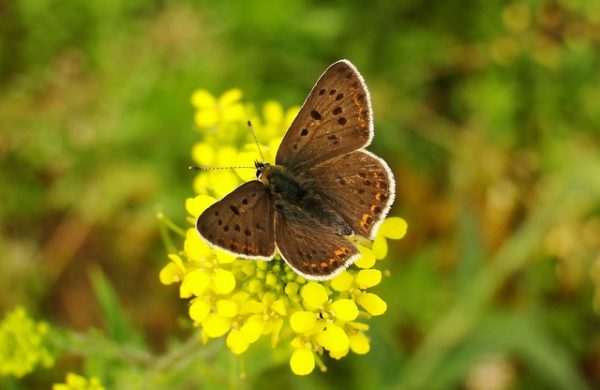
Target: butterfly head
point(261, 168)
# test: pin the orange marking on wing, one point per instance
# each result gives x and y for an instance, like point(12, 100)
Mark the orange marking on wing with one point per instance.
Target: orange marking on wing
point(363, 220)
point(378, 196)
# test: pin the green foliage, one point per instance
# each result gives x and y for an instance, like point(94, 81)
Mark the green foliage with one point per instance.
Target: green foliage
point(489, 114)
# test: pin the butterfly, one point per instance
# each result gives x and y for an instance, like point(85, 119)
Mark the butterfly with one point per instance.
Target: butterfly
point(323, 187)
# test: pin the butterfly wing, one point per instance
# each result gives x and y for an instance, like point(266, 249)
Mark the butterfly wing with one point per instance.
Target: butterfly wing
point(242, 222)
point(336, 118)
point(359, 186)
point(311, 249)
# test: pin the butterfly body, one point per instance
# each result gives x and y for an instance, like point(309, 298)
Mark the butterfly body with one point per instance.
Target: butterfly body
point(296, 198)
point(323, 186)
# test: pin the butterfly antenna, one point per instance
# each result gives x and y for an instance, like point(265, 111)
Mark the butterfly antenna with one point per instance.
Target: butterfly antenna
point(256, 141)
point(202, 168)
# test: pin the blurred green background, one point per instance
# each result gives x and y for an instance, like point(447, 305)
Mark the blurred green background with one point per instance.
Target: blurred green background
point(488, 112)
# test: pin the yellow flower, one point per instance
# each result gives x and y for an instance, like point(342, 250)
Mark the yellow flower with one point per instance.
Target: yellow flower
point(78, 382)
point(275, 118)
point(212, 112)
point(23, 344)
point(244, 300)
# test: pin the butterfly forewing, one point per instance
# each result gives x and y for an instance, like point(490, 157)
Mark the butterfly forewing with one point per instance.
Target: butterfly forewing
point(359, 186)
point(242, 222)
point(335, 119)
point(312, 249)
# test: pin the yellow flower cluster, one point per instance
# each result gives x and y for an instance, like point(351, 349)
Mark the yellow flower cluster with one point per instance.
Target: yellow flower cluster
point(78, 382)
point(244, 300)
point(22, 344)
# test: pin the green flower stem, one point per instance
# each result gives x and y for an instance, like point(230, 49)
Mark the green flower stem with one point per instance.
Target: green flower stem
point(189, 354)
point(165, 221)
point(320, 363)
point(572, 193)
point(92, 344)
point(165, 224)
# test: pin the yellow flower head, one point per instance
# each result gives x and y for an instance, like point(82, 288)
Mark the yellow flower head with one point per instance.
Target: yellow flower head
point(23, 344)
point(244, 300)
point(78, 382)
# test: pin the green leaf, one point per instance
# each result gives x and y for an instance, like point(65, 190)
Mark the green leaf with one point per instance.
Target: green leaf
point(115, 320)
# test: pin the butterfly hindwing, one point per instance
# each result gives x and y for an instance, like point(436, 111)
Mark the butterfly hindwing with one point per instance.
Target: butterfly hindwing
point(336, 118)
point(359, 186)
point(311, 249)
point(242, 222)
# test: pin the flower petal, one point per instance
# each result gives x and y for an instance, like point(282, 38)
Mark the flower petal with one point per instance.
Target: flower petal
point(194, 283)
point(203, 99)
point(380, 247)
point(170, 274)
point(368, 278)
point(216, 326)
point(393, 228)
point(224, 257)
point(367, 257)
point(195, 247)
point(302, 361)
point(252, 329)
point(345, 309)
point(372, 303)
point(272, 111)
point(334, 339)
point(342, 282)
point(236, 342)
point(226, 183)
point(199, 310)
point(303, 321)
point(204, 154)
point(314, 295)
point(290, 115)
point(223, 281)
point(279, 307)
point(206, 118)
point(359, 343)
point(231, 96)
point(233, 113)
point(195, 206)
point(226, 308)
point(292, 288)
point(227, 156)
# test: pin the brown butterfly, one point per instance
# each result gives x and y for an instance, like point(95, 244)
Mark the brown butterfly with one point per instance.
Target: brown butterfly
point(324, 186)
